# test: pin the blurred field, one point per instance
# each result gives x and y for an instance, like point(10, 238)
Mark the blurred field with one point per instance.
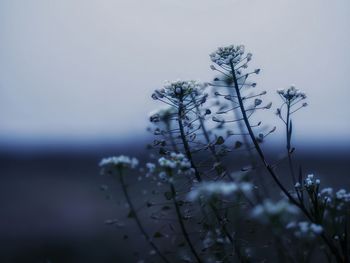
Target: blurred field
point(52, 208)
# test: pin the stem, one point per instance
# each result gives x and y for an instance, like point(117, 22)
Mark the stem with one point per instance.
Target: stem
point(182, 225)
point(171, 138)
point(185, 143)
point(217, 159)
point(249, 150)
point(289, 138)
point(207, 138)
point(227, 233)
point(270, 169)
point(135, 216)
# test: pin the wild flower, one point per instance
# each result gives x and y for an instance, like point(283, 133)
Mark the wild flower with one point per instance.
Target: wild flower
point(305, 229)
point(210, 202)
point(208, 189)
point(176, 161)
point(291, 93)
point(163, 114)
point(310, 181)
point(179, 89)
point(121, 161)
point(342, 195)
point(224, 55)
point(270, 212)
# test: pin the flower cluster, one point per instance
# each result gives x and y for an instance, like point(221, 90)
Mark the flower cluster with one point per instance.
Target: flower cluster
point(162, 114)
point(270, 212)
point(121, 161)
point(305, 229)
point(178, 89)
point(310, 183)
point(226, 55)
point(335, 200)
point(176, 161)
point(291, 93)
point(208, 189)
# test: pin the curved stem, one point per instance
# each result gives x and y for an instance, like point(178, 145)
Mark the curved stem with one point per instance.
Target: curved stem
point(182, 224)
point(185, 143)
point(270, 169)
point(171, 138)
point(137, 220)
point(212, 149)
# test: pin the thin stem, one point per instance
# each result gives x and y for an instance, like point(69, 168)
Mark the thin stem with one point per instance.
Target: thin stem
point(206, 135)
point(182, 225)
point(270, 169)
point(171, 138)
point(137, 220)
point(185, 143)
point(289, 139)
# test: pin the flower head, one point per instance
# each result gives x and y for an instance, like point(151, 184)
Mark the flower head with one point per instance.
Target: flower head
point(305, 229)
point(291, 93)
point(228, 54)
point(162, 114)
point(176, 161)
point(121, 161)
point(270, 212)
point(208, 189)
point(179, 89)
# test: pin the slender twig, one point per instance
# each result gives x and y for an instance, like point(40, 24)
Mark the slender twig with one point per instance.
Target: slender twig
point(289, 139)
point(182, 224)
point(269, 168)
point(184, 141)
point(136, 218)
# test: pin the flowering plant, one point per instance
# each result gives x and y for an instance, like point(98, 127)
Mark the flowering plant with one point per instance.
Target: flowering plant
point(213, 209)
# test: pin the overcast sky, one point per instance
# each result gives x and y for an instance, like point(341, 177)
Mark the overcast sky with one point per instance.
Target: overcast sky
point(85, 69)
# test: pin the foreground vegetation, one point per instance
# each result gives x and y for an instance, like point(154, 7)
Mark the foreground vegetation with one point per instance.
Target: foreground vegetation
point(205, 211)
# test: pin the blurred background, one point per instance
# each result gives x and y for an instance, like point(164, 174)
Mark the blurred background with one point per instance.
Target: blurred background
point(75, 85)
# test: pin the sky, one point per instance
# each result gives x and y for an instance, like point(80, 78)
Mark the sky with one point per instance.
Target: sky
point(84, 70)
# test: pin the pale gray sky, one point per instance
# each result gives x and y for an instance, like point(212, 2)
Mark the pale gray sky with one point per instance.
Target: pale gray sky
point(85, 69)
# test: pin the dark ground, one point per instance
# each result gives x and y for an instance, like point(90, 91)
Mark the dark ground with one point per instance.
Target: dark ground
point(52, 208)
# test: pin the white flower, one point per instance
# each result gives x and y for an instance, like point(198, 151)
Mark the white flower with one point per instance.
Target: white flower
point(179, 88)
point(269, 211)
point(176, 161)
point(226, 55)
point(309, 181)
point(327, 191)
point(120, 161)
point(208, 189)
point(305, 229)
point(317, 229)
point(342, 195)
point(291, 93)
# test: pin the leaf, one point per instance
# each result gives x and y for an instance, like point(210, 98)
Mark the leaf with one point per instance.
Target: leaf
point(220, 140)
